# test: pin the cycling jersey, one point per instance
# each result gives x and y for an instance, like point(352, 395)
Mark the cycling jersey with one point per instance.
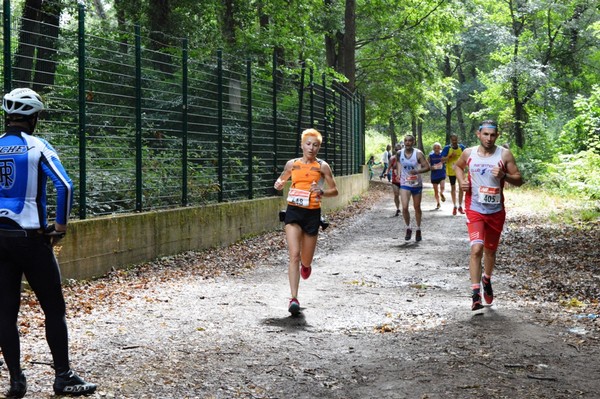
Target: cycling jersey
point(26, 162)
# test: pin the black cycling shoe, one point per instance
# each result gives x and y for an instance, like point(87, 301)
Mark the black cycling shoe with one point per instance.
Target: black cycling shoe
point(69, 383)
point(18, 387)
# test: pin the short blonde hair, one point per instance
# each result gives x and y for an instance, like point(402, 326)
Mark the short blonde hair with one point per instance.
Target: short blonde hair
point(436, 144)
point(312, 133)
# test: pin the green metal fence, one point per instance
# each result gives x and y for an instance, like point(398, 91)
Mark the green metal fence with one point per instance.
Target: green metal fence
point(141, 129)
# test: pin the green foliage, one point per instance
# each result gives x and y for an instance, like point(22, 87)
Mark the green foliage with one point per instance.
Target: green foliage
point(583, 132)
point(538, 155)
point(375, 143)
point(577, 174)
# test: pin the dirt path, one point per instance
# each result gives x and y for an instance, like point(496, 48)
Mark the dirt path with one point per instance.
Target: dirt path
point(381, 318)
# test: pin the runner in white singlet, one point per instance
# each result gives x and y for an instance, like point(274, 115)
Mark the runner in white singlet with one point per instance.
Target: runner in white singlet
point(489, 167)
point(410, 166)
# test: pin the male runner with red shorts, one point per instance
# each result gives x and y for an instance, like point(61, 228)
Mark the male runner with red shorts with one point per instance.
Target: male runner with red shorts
point(489, 167)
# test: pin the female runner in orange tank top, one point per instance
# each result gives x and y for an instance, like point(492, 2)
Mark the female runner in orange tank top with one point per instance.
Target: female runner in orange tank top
point(303, 213)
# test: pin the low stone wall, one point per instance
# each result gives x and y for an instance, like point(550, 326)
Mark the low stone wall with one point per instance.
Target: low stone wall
point(94, 247)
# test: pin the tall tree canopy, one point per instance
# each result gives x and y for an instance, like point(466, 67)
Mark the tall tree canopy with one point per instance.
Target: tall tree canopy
point(438, 64)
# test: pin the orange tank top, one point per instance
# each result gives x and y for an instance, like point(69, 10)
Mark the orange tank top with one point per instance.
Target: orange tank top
point(302, 177)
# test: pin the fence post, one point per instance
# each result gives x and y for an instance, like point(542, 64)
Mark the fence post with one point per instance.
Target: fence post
point(347, 141)
point(325, 118)
point(312, 98)
point(358, 145)
point(341, 130)
point(274, 78)
point(138, 119)
point(7, 43)
point(220, 121)
point(355, 123)
point(300, 106)
point(184, 122)
point(333, 140)
point(363, 127)
point(82, 114)
point(352, 138)
point(250, 133)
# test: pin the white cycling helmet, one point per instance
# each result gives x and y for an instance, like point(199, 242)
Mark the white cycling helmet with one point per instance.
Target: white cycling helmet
point(22, 101)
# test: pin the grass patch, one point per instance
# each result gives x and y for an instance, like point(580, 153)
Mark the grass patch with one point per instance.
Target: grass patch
point(562, 209)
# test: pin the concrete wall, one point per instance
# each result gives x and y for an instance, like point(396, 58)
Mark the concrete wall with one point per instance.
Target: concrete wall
point(93, 247)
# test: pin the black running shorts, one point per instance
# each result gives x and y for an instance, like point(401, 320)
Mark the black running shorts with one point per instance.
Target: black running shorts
point(309, 220)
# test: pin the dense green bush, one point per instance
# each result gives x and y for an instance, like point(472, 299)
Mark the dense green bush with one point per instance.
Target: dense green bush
point(583, 132)
point(577, 174)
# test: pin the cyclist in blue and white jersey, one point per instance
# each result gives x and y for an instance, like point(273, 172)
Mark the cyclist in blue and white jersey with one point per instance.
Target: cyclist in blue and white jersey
point(26, 240)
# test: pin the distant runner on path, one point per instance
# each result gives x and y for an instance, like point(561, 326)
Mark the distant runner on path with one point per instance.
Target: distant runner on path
point(412, 164)
point(490, 167)
point(438, 173)
point(303, 213)
point(450, 154)
point(396, 177)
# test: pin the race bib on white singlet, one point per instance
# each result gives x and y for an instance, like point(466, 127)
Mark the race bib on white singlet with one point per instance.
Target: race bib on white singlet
point(298, 197)
point(489, 195)
point(412, 180)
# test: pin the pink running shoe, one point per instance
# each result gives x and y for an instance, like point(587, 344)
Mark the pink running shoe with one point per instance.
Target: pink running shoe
point(294, 307)
point(305, 271)
point(488, 293)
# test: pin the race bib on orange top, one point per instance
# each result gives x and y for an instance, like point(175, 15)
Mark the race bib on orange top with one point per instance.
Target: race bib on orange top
point(489, 195)
point(298, 197)
point(412, 180)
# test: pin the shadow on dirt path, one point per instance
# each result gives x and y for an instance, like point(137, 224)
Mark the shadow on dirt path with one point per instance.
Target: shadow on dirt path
point(381, 318)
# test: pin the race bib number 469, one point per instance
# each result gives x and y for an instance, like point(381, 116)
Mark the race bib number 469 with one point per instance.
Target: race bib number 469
point(298, 197)
point(489, 195)
point(412, 180)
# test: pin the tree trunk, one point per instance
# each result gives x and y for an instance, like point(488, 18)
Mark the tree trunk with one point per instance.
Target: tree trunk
point(520, 122)
point(234, 85)
point(159, 19)
point(518, 112)
point(100, 9)
point(331, 51)
point(461, 121)
point(462, 79)
point(448, 118)
point(228, 25)
point(331, 44)
point(28, 37)
point(420, 134)
point(517, 28)
point(349, 69)
point(392, 132)
point(448, 110)
point(121, 8)
point(46, 60)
